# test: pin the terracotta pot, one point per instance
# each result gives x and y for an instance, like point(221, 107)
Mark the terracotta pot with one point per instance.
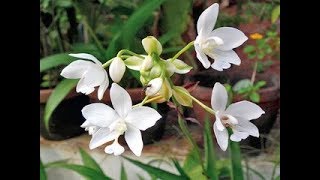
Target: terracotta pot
point(150, 135)
point(269, 96)
point(66, 119)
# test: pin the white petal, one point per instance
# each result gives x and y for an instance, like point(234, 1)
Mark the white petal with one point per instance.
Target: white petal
point(99, 114)
point(219, 124)
point(154, 86)
point(86, 124)
point(246, 126)
point(134, 63)
point(102, 136)
point(219, 97)
point(120, 99)
point(202, 57)
point(83, 87)
point(225, 56)
point(222, 137)
point(220, 65)
point(142, 117)
point(231, 37)
point(245, 109)
point(115, 148)
point(94, 76)
point(134, 140)
point(117, 69)
point(181, 67)
point(103, 87)
point(76, 69)
point(238, 136)
point(208, 19)
point(86, 56)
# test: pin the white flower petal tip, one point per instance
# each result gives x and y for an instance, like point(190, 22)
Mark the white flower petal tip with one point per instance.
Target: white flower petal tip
point(154, 86)
point(115, 148)
point(117, 69)
point(218, 43)
point(219, 97)
point(91, 74)
point(222, 137)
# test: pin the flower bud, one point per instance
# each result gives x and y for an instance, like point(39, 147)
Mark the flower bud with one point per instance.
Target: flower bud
point(152, 45)
point(155, 71)
point(165, 91)
point(147, 64)
point(117, 69)
point(154, 86)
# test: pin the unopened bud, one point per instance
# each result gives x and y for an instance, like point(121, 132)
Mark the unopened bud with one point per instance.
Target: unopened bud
point(152, 45)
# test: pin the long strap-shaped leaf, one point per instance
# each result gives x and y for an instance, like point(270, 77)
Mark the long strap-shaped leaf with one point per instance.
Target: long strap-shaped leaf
point(159, 173)
point(54, 61)
point(131, 27)
point(58, 94)
point(82, 170)
point(210, 159)
point(235, 155)
point(88, 161)
point(43, 175)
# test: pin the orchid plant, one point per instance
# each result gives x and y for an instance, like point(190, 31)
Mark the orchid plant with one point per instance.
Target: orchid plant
point(106, 124)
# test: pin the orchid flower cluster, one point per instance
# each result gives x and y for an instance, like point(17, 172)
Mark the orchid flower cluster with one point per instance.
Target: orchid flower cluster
point(106, 124)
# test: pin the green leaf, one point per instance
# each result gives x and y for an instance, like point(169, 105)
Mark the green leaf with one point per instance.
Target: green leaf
point(235, 155)
point(182, 96)
point(136, 21)
point(210, 159)
point(43, 174)
point(249, 49)
point(275, 14)
point(260, 84)
point(55, 61)
point(159, 173)
point(242, 84)
point(123, 173)
point(58, 94)
point(255, 97)
point(88, 161)
point(192, 166)
point(175, 20)
point(261, 55)
point(82, 170)
point(180, 169)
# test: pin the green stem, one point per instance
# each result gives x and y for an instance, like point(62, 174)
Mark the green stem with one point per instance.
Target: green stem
point(128, 52)
point(105, 65)
point(146, 100)
point(186, 132)
point(208, 109)
point(182, 51)
point(254, 72)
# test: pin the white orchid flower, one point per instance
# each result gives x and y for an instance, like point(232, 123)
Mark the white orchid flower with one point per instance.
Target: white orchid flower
point(218, 43)
point(110, 123)
point(91, 74)
point(237, 116)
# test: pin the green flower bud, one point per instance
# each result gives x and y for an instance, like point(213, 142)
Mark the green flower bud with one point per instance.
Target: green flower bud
point(147, 64)
point(152, 45)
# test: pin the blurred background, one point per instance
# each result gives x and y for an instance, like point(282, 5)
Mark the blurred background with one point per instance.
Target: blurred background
point(103, 27)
